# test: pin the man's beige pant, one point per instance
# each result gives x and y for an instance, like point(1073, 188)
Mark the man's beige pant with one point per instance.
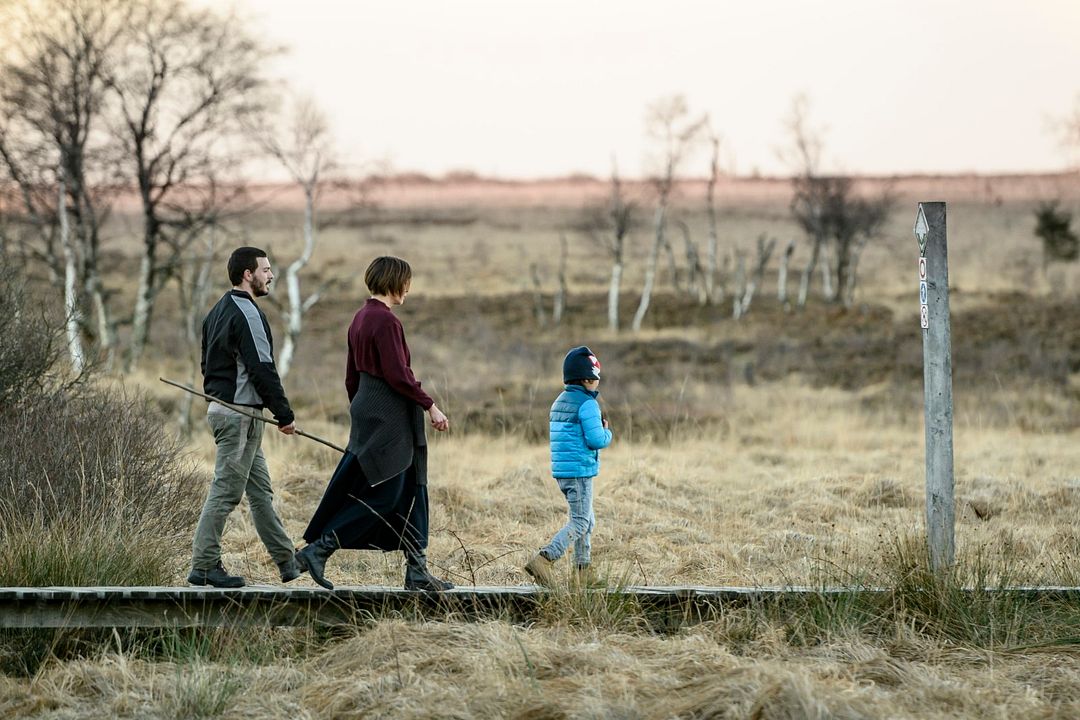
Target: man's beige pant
point(240, 469)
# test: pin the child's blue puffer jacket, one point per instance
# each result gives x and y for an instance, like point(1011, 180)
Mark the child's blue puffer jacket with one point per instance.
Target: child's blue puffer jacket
point(577, 433)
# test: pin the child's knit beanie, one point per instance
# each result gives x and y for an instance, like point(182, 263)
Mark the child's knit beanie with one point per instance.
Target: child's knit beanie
point(580, 364)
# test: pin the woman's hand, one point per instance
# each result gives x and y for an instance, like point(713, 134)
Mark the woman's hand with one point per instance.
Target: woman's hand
point(438, 420)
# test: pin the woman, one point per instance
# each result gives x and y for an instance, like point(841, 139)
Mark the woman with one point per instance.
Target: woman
point(377, 498)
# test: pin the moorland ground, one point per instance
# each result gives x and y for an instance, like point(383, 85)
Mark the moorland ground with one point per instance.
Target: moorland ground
point(783, 448)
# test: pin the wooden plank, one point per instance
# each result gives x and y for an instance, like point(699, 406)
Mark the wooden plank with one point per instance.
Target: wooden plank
point(85, 607)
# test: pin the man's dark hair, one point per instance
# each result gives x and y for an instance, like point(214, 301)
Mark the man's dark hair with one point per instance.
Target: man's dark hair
point(388, 276)
point(243, 258)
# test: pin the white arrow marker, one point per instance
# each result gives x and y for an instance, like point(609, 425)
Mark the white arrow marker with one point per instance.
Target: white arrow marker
point(922, 228)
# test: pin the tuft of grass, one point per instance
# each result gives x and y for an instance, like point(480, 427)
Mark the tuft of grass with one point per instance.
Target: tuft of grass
point(74, 552)
point(203, 690)
point(980, 602)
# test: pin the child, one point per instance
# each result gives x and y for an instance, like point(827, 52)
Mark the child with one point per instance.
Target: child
point(578, 433)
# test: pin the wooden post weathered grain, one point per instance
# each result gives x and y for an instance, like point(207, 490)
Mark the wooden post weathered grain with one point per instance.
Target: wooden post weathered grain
point(937, 382)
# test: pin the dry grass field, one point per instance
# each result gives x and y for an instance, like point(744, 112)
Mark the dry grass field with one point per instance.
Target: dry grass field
point(786, 448)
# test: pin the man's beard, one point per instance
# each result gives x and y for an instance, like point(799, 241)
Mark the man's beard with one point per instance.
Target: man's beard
point(260, 289)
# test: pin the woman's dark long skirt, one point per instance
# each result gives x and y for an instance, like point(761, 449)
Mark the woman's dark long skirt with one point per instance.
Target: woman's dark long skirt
point(392, 515)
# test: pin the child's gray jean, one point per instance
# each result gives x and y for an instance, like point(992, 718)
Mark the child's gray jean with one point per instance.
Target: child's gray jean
point(579, 527)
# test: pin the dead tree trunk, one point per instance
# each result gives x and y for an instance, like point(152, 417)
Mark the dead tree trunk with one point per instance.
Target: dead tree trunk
point(613, 293)
point(828, 290)
point(781, 280)
point(808, 272)
point(695, 285)
point(621, 216)
point(711, 289)
point(739, 289)
point(198, 281)
point(559, 304)
point(764, 251)
point(852, 272)
point(650, 268)
point(538, 296)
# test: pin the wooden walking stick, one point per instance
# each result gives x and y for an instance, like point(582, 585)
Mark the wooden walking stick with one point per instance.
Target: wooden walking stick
point(254, 416)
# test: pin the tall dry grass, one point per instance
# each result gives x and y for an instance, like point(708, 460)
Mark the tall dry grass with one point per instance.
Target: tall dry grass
point(720, 474)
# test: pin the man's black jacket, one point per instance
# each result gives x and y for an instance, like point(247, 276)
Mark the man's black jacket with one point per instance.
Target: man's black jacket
point(238, 356)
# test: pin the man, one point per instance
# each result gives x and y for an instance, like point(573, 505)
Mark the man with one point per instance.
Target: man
point(238, 367)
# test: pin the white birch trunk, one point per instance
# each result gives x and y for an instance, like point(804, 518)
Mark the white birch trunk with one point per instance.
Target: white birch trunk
point(739, 291)
point(538, 296)
point(144, 300)
point(199, 290)
point(849, 289)
point(807, 274)
point(781, 280)
point(613, 295)
point(827, 289)
point(650, 269)
point(764, 252)
point(71, 277)
point(711, 295)
point(297, 306)
point(560, 297)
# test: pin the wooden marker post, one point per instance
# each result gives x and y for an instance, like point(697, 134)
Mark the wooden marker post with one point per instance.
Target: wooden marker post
point(937, 382)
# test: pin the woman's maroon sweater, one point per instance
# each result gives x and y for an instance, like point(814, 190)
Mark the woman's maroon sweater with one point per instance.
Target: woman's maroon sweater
point(377, 347)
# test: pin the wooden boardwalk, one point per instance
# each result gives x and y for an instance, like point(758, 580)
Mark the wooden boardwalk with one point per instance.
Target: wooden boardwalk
point(86, 607)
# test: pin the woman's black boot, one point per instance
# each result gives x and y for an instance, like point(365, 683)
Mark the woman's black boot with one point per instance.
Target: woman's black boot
point(417, 576)
point(313, 558)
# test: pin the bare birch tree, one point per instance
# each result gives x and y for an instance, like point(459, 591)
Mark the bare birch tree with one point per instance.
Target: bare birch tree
point(669, 124)
point(838, 222)
point(609, 225)
point(52, 96)
point(194, 282)
point(558, 305)
point(186, 82)
point(714, 293)
point(753, 282)
point(695, 273)
point(305, 149)
point(782, 273)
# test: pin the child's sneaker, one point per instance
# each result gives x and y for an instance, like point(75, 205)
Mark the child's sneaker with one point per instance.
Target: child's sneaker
point(540, 569)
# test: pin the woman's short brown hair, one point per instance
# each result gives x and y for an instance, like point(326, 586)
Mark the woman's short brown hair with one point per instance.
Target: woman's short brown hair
point(388, 275)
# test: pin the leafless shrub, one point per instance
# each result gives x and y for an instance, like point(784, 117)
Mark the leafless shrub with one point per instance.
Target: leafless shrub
point(92, 489)
point(29, 346)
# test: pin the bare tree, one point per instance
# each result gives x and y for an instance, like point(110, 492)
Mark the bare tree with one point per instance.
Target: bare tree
point(837, 222)
point(194, 283)
point(305, 149)
point(764, 251)
point(538, 295)
point(558, 305)
point(186, 82)
point(782, 273)
point(609, 225)
point(807, 204)
point(668, 123)
point(695, 281)
point(52, 95)
point(714, 293)
point(739, 287)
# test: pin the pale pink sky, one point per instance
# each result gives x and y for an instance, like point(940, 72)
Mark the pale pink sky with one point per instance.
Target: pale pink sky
point(525, 89)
